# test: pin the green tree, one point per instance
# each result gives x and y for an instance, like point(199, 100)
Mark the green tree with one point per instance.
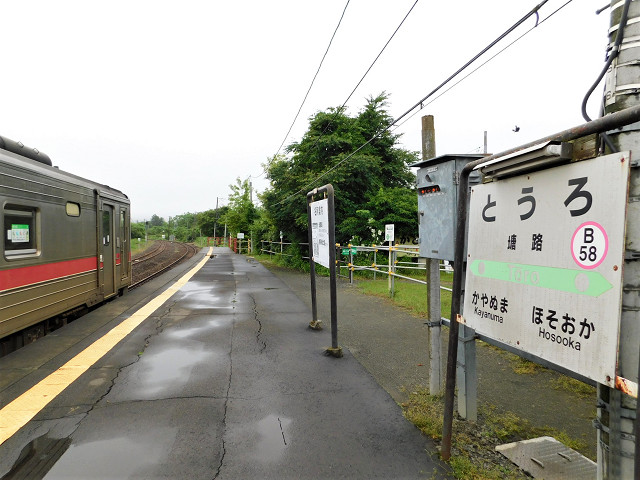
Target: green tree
point(137, 230)
point(156, 221)
point(185, 227)
point(209, 220)
point(358, 156)
point(241, 213)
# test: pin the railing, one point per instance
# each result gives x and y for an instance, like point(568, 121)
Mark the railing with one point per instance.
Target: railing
point(389, 267)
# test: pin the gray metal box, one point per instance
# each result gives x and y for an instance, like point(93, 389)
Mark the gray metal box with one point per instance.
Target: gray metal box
point(437, 185)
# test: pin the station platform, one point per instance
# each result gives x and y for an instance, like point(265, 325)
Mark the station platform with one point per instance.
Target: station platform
point(216, 376)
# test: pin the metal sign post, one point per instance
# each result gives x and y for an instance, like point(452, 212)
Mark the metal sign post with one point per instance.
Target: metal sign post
point(322, 241)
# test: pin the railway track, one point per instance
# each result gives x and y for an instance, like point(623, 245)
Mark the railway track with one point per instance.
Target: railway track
point(161, 257)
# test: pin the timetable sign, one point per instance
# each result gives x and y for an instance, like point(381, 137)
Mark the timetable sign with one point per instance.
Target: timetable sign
point(544, 265)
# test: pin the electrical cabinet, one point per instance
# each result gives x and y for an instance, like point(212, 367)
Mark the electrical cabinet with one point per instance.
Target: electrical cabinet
point(437, 185)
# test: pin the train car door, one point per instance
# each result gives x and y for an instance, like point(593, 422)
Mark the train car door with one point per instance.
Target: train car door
point(108, 244)
point(125, 245)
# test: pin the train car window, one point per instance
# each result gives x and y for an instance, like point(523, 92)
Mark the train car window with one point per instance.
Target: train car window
point(106, 228)
point(73, 209)
point(20, 230)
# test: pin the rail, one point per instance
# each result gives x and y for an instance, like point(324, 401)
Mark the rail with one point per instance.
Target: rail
point(173, 259)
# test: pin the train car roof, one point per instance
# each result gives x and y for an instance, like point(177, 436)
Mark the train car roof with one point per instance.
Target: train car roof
point(15, 159)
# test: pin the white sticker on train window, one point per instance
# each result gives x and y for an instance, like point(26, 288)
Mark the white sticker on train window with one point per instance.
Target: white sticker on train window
point(19, 233)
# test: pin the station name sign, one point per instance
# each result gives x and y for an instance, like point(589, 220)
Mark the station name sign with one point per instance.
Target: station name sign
point(544, 266)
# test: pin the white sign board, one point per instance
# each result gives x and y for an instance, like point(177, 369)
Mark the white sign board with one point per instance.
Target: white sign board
point(544, 266)
point(240, 235)
point(18, 233)
point(389, 231)
point(320, 231)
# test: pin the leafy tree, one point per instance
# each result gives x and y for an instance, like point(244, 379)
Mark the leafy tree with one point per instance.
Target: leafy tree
point(359, 157)
point(156, 221)
point(241, 213)
point(209, 220)
point(185, 227)
point(137, 230)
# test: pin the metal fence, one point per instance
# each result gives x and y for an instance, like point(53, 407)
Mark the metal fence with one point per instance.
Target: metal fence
point(387, 260)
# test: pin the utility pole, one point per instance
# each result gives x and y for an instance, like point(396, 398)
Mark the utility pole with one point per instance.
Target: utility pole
point(617, 438)
point(215, 222)
point(436, 383)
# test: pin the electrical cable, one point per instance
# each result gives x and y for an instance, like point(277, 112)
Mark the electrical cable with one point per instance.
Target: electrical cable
point(314, 79)
point(615, 50)
point(422, 106)
point(534, 11)
point(342, 107)
point(451, 77)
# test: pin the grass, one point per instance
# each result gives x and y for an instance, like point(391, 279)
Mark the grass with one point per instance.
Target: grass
point(573, 386)
point(473, 444)
point(426, 412)
point(409, 295)
point(139, 245)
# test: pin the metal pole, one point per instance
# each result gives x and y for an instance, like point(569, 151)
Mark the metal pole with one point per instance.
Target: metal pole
point(315, 323)
point(389, 286)
point(375, 262)
point(615, 120)
point(393, 271)
point(335, 350)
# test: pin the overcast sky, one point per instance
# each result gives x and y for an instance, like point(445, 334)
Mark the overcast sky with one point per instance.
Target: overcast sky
point(171, 101)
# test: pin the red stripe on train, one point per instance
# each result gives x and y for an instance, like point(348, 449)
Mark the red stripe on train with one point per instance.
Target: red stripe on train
point(23, 276)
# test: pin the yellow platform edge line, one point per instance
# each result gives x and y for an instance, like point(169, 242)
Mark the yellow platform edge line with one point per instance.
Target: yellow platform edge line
point(21, 410)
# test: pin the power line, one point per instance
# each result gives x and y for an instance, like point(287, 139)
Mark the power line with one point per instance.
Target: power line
point(314, 79)
point(341, 108)
point(378, 56)
point(534, 11)
point(423, 105)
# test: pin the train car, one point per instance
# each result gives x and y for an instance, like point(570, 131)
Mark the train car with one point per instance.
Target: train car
point(66, 241)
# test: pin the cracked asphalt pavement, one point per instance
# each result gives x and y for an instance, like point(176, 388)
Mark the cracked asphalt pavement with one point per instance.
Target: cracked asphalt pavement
point(223, 381)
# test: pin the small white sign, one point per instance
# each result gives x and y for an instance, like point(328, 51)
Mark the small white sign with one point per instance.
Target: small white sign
point(240, 235)
point(544, 266)
point(19, 233)
point(320, 231)
point(389, 233)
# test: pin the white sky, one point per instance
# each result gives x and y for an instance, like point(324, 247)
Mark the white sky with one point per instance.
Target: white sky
point(170, 102)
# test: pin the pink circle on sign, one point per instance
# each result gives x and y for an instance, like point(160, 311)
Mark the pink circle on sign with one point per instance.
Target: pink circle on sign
point(598, 246)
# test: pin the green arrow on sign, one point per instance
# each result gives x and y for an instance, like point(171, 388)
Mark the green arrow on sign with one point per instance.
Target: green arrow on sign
point(582, 282)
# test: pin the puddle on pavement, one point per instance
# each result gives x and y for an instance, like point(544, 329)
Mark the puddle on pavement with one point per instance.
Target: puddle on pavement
point(180, 332)
point(169, 368)
point(38, 457)
point(116, 458)
point(200, 295)
point(273, 438)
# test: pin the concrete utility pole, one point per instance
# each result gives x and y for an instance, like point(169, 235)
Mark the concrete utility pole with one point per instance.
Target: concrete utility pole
point(616, 411)
point(436, 377)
